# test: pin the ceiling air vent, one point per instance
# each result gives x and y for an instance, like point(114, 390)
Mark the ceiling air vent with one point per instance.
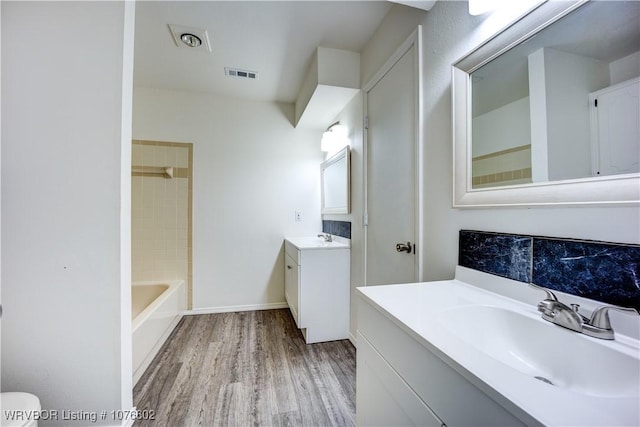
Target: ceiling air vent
point(236, 72)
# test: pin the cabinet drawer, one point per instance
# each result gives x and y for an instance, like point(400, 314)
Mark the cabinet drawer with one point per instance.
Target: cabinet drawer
point(384, 398)
point(291, 286)
point(292, 251)
point(449, 394)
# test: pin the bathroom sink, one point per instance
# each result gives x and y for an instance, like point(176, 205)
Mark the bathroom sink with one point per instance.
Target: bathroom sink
point(314, 242)
point(554, 355)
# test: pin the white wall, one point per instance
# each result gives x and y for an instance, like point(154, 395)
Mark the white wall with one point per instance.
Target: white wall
point(625, 68)
point(0, 198)
point(538, 108)
point(494, 132)
point(252, 170)
point(65, 117)
point(505, 127)
point(394, 29)
point(351, 118)
point(569, 79)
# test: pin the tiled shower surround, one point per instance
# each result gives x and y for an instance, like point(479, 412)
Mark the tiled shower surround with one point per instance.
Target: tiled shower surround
point(161, 212)
point(602, 271)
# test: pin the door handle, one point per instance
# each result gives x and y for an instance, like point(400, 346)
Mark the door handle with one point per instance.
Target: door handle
point(404, 247)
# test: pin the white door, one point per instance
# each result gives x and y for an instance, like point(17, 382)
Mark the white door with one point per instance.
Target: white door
point(616, 129)
point(391, 130)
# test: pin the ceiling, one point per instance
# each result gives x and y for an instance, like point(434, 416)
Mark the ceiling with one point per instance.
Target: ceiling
point(276, 39)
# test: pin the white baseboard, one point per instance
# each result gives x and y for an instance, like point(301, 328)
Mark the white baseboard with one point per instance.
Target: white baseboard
point(232, 308)
point(353, 340)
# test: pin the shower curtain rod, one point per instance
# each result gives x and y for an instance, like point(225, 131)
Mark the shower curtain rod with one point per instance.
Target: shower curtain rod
point(158, 171)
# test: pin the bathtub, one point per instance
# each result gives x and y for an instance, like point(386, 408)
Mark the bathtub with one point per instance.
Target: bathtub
point(156, 309)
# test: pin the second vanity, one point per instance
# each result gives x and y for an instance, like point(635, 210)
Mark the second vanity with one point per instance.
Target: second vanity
point(455, 353)
point(317, 289)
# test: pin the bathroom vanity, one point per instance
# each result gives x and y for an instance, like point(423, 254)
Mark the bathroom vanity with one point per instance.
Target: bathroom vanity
point(475, 351)
point(317, 286)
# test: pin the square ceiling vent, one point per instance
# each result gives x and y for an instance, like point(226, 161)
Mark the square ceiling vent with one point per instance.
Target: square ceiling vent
point(190, 38)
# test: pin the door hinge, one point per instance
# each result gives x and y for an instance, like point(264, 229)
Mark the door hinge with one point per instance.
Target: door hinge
point(365, 219)
point(366, 122)
point(596, 103)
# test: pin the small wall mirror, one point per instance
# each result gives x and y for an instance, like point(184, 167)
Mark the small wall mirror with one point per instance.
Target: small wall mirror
point(547, 111)
point(335, 174)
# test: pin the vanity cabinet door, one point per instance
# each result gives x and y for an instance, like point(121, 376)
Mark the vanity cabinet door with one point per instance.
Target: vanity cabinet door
point(291, 282)
point(383, 397)
point(615, 132)
point(447, 392)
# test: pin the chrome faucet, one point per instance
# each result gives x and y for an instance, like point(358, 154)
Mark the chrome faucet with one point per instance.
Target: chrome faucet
point(598, 326)
point(326, 236)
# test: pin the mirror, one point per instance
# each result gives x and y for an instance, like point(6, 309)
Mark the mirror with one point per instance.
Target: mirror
point(335, 176)
point(547, 111)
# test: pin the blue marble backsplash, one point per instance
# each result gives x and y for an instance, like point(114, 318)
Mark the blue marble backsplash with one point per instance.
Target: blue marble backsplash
point(337, 228)
point(504, 255)
point(602, 271)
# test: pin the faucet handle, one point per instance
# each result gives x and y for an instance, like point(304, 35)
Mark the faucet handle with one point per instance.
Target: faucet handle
point(550, 295)
point(576, 309)
point(600, 316)
point(550, 305)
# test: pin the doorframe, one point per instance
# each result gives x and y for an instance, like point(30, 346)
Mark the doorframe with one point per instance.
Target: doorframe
point(414, 40)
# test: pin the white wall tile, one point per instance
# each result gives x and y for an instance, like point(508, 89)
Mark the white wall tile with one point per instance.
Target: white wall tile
point(159, 218)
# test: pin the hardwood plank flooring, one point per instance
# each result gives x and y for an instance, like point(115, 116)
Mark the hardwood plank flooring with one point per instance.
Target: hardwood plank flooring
point(248, 369)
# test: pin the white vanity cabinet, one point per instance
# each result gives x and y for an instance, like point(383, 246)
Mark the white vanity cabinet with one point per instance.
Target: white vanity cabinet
point(401, 382)
point(291, 281)
point(474, 351)
point(317, 287)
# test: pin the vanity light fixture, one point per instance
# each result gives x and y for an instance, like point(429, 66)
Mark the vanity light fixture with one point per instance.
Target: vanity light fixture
point(334, 138)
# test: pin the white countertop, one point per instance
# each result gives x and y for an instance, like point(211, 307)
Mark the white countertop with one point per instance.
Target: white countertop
point(314, 242)
point(416, 308)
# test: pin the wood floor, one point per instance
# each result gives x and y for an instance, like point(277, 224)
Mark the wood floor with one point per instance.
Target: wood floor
point(248, 369)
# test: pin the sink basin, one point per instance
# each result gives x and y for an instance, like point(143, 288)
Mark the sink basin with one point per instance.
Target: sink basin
point(549, 353)
point(311, 242)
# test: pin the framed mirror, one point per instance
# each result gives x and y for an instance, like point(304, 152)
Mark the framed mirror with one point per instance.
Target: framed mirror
point(335, 181)
point(546, 112)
